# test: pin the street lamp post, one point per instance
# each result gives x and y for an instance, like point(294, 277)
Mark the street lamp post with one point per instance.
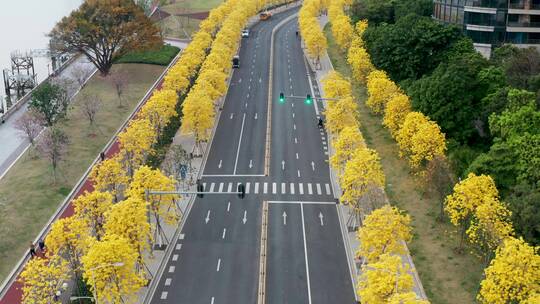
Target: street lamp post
point(117, 264)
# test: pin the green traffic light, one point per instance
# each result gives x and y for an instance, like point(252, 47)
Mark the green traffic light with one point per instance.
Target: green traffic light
point(308, 99)
point(281, 98)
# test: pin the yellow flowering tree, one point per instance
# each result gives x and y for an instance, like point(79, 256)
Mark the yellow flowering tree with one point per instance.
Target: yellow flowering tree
point(90, 208)
point(384, 279)
point(42, 278)
point(359, 61)
point(380, 90)
point(198, 118)
point(161, 207)
point(363, 173)
point(135, 143)
point(348, 140)
point(513, 275)
point(340, 114)
point(109, 269)
point(384, 231)
point(69, 238)
point(467, 195)
point(396, 111)
point(420, 139)
point(159, 109)
point(336, 86)
point(109, 176)
point(128, 219)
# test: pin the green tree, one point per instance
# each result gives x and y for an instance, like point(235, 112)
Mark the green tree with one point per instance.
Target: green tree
point(102, 30)
point(50, 100)
point(524, 202)
point(411, 47)
point(451, 96)
point(525, 119)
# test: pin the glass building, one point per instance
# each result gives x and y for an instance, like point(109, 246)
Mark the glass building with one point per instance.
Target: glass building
point(493, 22)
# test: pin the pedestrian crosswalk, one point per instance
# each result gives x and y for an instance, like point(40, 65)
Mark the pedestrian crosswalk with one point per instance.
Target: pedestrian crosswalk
point(271, 188)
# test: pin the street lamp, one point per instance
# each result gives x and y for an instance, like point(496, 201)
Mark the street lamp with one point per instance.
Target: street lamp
point(117, 264)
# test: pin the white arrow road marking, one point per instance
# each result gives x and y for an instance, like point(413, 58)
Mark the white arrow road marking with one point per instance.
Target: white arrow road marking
point(218, 264)
point(244, 220)
point(251, 163)
point(255, 115)
point(284, 218)
point(321, 216)
point(313, 166)
point(232, 115)
point(220, 162)
point(282, 165)
point(207, 219)
point(224, 231)
point(228, 206)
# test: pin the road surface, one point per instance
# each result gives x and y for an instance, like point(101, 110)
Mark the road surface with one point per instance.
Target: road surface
point(216, 258)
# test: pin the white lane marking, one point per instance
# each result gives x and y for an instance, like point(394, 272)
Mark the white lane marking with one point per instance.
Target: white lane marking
point(240, 80)
point(249, 87)
point(250, 79)
point(302, 203)
point(212, 185)
point(168, 282)
point(293, 115)
point(175, 257)
point(229, 188)
point(296, 155)
point(171, 269)
point(301, 188)
point(220, 187)
point(232, 115)
point(260, 79)
point(178, 246)
point(313, 165)
point(265, 188)
point(294, 126)
point(207, 219)
point(181, 237)
point(212, 300)
point(292, 105)
point(274, 188)
point(298, 171)
point(283, 190)
point(325, 147)
point(325, 152)
point(204, 186)
point(164, 295)
point(255, 115)
point(295, 140)
point(324, 142)
point(256, 188)
point(246, 107)
point(247, 187)
point(319, 192)
point(327, 186)
point(251, 163)
point(218, 264)
point(309, 189)
point(311, 88)
point(247, 95)
point(290, 87)
point(284, 218)
point(228, 206)
point(305, 253)
point(292, 187)
point(224, 232)
point(244, 220)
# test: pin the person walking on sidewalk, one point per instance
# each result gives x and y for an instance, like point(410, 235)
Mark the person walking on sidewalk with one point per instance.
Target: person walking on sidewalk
point(32, 250)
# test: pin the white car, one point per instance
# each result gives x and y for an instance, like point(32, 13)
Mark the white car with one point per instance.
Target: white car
point(245, 34)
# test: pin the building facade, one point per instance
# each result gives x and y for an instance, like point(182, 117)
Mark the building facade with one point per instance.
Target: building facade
point(493, 22)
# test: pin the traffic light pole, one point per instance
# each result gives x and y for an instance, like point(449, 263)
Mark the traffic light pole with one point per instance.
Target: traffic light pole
point(152, 192)
point(318, 98)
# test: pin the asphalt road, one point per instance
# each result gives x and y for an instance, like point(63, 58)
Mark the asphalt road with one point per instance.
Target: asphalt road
point(216, 259)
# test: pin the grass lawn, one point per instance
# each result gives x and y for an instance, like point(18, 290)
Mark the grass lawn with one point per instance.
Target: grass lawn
point(447, 277)
point(28, 196)
point(184, 27)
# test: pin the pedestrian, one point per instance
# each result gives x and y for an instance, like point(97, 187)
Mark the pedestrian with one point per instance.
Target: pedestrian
point(32, 250)
point(41, 245)
point(102, 156)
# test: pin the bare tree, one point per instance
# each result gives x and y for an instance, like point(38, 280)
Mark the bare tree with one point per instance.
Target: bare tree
point(80, 73)
point(439, 180)
point(53, 146)
point(119, 82)
point(90, 104)
point(30, 124)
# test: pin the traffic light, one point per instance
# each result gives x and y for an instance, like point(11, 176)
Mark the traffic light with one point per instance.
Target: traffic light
point(308, 99)
point(200, 188)
point(281, 97)
point(241, 190)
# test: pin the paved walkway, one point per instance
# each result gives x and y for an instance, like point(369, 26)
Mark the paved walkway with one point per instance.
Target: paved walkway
point(352, 243)
point(13, 144)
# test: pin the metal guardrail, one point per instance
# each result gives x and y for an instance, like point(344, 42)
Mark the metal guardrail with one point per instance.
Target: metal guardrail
point(20, 265)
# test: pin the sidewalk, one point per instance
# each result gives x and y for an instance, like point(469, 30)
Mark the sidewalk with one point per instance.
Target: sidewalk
point(352, 243)
point(13, 145)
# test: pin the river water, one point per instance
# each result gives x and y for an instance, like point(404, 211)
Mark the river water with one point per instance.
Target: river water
point(23, 27)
